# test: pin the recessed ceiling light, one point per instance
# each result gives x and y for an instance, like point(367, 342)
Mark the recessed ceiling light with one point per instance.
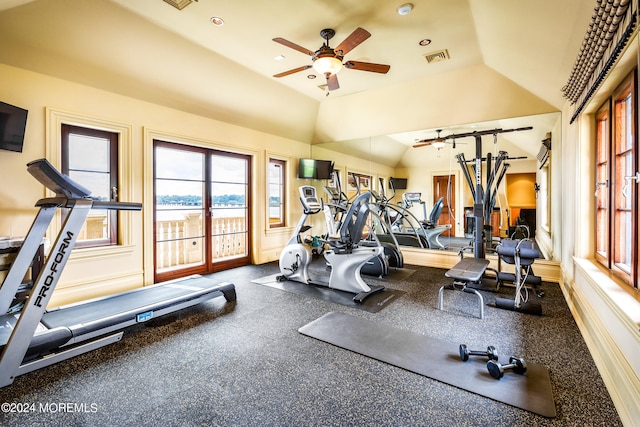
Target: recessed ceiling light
point(424, 42)
point(405, 9)
point(218, 22)
point(311, 76)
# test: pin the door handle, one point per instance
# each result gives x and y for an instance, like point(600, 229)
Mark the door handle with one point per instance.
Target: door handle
point(625, 189)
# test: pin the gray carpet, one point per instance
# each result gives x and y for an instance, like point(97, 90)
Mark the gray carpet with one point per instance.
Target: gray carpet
point(245, 364)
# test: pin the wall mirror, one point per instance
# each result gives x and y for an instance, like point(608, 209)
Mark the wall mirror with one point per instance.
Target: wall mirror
point(435, 171)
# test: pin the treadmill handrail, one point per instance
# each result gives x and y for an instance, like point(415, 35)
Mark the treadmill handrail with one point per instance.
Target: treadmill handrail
point(67, 190)
point(59, 183)
point(63, 202)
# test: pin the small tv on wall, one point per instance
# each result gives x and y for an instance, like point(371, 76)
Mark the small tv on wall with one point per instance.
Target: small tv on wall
point(324, 169)
point(315, 169)
point(13, 121)
point(398, 183)
point(307, 168)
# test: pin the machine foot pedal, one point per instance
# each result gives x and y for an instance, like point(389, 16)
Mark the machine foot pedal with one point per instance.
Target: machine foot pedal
point(359, 298)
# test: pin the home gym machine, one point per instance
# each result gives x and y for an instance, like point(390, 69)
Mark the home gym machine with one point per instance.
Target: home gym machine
point(469, 271)
point(345, 255)
point(33, 337)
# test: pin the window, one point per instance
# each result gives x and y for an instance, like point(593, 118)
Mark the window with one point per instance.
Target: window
point(542, 194)
point(616, 207)
point(276, 193)
point(358, 183)
point(602, 184)
point(90, 157)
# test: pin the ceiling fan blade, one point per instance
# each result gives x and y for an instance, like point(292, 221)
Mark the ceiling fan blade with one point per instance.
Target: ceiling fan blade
point(292, 45)
point(367, 66)
point(358, 36)
point(430, 140)
point(422, 144)
point(332, 82)
point(295, 70)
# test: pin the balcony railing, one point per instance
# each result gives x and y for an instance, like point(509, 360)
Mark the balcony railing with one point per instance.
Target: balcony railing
point(180, 242)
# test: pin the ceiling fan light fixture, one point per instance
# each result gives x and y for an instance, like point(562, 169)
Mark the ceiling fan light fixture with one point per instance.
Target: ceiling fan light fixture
point(438, 144)
point(327, 65)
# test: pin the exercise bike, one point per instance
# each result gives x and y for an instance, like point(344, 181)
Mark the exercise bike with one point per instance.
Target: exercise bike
point(343, 254)
point(336, 209)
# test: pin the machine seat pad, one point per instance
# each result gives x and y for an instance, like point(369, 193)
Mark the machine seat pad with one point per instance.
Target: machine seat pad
point(468, 269)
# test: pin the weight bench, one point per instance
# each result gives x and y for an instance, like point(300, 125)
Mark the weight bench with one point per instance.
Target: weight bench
point(468, 270)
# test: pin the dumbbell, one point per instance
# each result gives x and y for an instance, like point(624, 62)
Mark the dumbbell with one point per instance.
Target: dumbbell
point(517, 364)
point(491, 353)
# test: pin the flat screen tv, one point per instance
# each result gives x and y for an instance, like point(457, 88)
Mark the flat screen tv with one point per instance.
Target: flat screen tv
point(307, 168)
point(324, 169)
point(315, 169)
point(398, 183)
point(13, 121)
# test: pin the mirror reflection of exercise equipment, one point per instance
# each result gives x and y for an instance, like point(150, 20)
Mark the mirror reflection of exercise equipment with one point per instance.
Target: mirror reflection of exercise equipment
point(405, 227)
point(428, 225)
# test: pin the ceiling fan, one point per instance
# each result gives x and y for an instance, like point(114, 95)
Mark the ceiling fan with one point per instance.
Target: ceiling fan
point(328, 61)
point(439, 141)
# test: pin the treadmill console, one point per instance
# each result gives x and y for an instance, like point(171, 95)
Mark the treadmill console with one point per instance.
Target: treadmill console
point(309, 199)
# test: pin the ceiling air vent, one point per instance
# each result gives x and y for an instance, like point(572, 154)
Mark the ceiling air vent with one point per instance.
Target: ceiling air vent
point(179, 4)
point(437, 56)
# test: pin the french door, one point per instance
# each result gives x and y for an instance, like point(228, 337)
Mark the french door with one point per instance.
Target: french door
point(201, 210)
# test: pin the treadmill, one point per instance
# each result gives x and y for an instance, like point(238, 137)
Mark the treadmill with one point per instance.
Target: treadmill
point(32, 337)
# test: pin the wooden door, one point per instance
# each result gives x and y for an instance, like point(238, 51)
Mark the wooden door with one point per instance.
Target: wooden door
point(201, 210)
point(444, 186)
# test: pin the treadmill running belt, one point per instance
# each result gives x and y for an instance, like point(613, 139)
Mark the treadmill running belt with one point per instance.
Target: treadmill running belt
point(97, 314)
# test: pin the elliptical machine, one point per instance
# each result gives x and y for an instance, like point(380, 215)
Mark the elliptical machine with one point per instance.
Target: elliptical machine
point(344, 254)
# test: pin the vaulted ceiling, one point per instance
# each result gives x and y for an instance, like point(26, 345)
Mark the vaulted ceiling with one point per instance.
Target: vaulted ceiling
point(505, 59)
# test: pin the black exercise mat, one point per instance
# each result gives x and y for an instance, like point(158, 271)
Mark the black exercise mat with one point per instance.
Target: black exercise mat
point(437, 359)
point(373, 303)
